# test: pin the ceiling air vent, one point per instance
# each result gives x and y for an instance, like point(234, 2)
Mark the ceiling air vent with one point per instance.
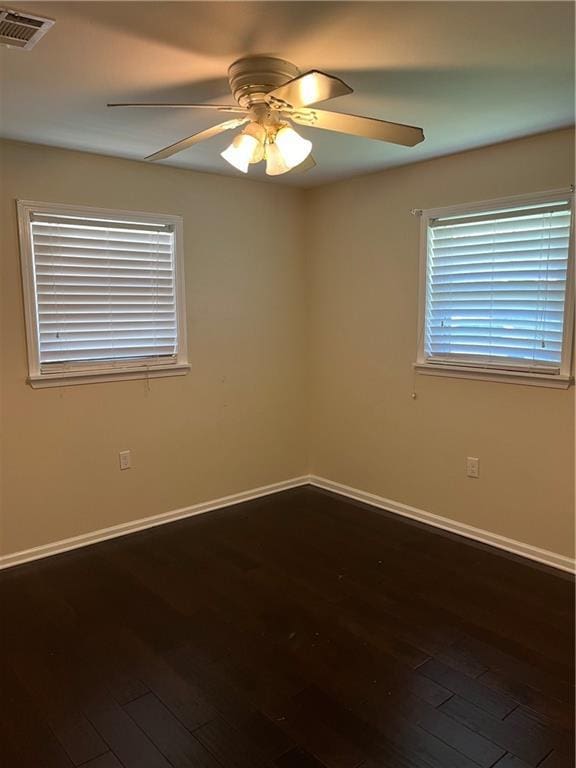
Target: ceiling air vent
point(22, 30)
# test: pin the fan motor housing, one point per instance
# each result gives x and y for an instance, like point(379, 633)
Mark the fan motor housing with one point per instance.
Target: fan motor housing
point(252, 77)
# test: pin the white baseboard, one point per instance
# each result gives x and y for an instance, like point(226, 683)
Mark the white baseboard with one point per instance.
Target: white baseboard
point(478, 534)
point(25, 556)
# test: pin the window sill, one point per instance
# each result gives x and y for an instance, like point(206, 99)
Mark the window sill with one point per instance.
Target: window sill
point(555, 381)
point(72, 378)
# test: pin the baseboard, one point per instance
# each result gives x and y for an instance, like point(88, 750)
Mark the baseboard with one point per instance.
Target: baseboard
point(477, 534)
point(85, 539)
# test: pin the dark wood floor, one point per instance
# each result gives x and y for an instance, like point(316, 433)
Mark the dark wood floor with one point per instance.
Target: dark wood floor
point(297, 631)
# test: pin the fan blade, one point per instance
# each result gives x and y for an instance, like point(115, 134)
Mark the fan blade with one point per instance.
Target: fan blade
point(217, 107)
point(309, 88)
point(195, 138)
point(370, 127)
point(305, 165)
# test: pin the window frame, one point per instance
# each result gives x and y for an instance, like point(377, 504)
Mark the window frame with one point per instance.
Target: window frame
point(97, 371)
point(469, 370)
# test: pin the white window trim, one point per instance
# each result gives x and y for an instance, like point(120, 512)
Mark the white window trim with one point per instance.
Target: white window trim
point(515, 374)
point(97, 372)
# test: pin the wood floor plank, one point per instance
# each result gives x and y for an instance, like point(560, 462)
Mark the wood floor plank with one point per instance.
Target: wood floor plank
point(229, 747)
point(184, 700)
point(469, 688)
point(526, 720)
point(300, 630)
point(344, 736)
point(557, 760)
point(489, 605)
point(498, 661)
point(428, 741)
point(553, 709)
point(529, 743)
point(462, 658)
point(175, 742)
point(457, 735)
point(127, 740)
point(109, 760)
point(510, 761)
point(232, 704)
point(25, 738)
point(522, 577)
point(41, 675)
point(298, 758)
point(59, 707)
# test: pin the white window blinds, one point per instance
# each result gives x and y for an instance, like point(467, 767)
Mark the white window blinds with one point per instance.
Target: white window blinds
point(105, 292)
point(496, 288)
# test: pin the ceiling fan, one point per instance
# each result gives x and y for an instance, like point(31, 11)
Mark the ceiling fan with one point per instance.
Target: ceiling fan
point(270, 93)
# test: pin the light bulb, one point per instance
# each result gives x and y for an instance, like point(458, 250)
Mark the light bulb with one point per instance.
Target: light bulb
point(275, 164)
point(240, 152)
point(293, 147)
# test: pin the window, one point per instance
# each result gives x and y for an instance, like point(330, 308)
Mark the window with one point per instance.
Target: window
point(497, 294)
point(104, 294)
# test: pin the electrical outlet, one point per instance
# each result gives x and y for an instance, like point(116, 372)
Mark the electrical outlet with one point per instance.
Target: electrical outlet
point(472, 466)
point(125, 459)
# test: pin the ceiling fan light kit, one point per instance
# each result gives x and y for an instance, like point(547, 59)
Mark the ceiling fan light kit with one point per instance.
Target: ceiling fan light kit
point(282, 148)
point(270, 93)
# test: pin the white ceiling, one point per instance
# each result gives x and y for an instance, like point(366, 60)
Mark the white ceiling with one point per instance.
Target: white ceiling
point(469, 73)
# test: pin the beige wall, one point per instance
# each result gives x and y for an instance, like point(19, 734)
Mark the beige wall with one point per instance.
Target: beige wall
point(367, 431)
point(233, 423)
point(301, 351)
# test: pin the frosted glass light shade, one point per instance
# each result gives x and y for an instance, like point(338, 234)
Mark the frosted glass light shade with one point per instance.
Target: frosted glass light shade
point(259, 133)
point(293, 147)
point(240, 152)
point(258, 153)
point(275, 164)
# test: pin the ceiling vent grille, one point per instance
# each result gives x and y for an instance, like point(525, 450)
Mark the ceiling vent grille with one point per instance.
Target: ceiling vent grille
point(21, 30)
